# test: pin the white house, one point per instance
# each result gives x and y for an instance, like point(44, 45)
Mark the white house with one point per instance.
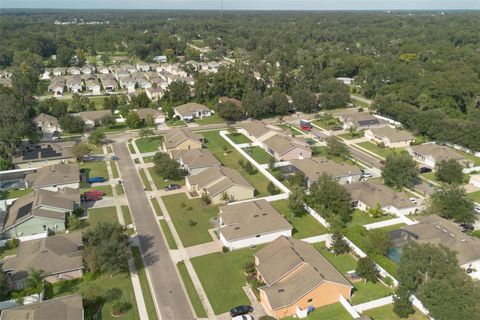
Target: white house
point(345, 80)
point(160, 59)
point(143, 66)
point(154, 94)
point(74, 83)
point(191, 111)
point(93, 86)
point(56, 87)
point(74, 71)
point(390, 137)
point(59, 71)
point(55, 177)
point(158, 117)
point(430, 153)
point(47, 123)
point(103, 70)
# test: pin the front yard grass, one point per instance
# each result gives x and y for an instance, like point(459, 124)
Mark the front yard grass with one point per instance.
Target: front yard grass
point(386, 313)
point(95, 169)
point(147, 294)
point(160, 183)
point(330, 312)
point(475, 196)
point(348, 136)
point(14, 193)
point(98, 215)
point(191, 291)
point(380, 152)
point(5, 252)
point(213, 119)
point(150, 144)
point(106, 189)
point(258, 154)
point(168, 235)
point(119, 189)
point(239, 138)
point(191, 218)
point(304, 226)
point(222, 278)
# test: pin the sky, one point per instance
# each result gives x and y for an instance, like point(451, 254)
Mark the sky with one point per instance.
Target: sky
point(247, 4)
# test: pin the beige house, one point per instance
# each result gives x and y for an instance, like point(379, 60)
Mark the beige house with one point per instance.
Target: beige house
point(157, 116)
point(195, 161)
point(297, 277)
point(285, 148)
point(37, 155)
point(55, 177)
point(361, 121)
point(220, 184)
point(60, 258)
point(256, 131)
point(154, 94)
point(47, 123)
point(191, 111)
point(390, 137)
point(92, 118)
point(181, 139)
point(430, 153)
point(314, 168)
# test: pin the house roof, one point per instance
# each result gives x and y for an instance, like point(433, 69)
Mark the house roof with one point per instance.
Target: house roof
point(63, 308)
point(187, 109)
point(43, 117)
point(54, 254)
point(281, 144)
point(29, 152)
point(143, 113)
point(436, 230)
point(215, 180)
point(373, 193)
point(93, 115)
point(157, 90)
point(195, 158)
point(362, 119)
point(248, 219)
point(74, 80)
point(55, 84)
point(176, 136)
point(291, 268)
point(437, 152)
point(392, 134)
point(56, 174)
point(255, 128)
point(314, 167)
point(233, 101)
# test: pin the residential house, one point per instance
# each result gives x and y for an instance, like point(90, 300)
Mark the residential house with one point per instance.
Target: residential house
point(93, 86)
point(257, 131)
point(430, 153)
point(129, 68)
point(54, 177)
point(368, 194)
point(314, 168)
point(181, 139)
point(74, 71)
point(297, 277)
point(74, 83)
point(127, 83)
point(157, 116)
point(143, 66)
point(59, 71)
point(285, 148)
point(220, 184)
point(154, 94)
point(59, 257)
point(109, 84)
point(142, 82)
point(46, 74)
point(120, 73)
point(345, 80)
point(160, 59)
point(390, 137)
point(103, 70)
point(195, 161)
point(251, 223)
point(191, 111)
point(93, 118)
point(361, 121)
point(88, 69)
point(36, 155)
point(62, 308)
point(56, 86)
point(39, 212)
point(47, 123)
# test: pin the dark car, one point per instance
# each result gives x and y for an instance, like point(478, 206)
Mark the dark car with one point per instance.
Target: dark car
point(96, 179)
point(172, 187)
point(465, 227)
point(241, 310)
point(114, 157)
point(425, 170)
point(337, 128)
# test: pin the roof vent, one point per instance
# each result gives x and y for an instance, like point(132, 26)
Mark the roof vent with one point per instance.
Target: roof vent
point(452, 235)
point(237, 228)
point(281, 290)
point(264, 214)
point(321, 275)
point(255, 216)
point(445, 231)
point(464, 240)
point(438, 227)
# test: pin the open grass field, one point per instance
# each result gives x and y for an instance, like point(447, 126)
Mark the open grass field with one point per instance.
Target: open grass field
point(160, 183)
point(258, 154)
point(192, 293)
point(475, 196)
point(380, 152)
point(98, 215)
point(150, 144)
point(95, 169)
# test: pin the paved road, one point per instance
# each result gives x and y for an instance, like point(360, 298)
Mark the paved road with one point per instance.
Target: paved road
point(168, 291)
point(365, 157)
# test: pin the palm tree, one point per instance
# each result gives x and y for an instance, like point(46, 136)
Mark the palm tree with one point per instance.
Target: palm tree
point(35, 281)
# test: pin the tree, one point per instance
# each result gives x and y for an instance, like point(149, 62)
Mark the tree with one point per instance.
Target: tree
point(71, 124)
point(297, 179)
point(339, 245)
point(449, 171)
point(451, 202)
point(4, 287)
point(399, 171)
point(80, 150)
point(133, 121)
point(335, 147)
point(376, 212)
point(80, 103)
point(255, 105)
point(34, 281)
point(110, 103)
point(166, 167)
point(229, 111)
point(280, 103)
point(271, 188)
point(74, 223)
point(367, 270)
point(295, 202)
point(178, 92)
point(149, 121)
point(108, 120)
point(5, 164)
point(145, 133)
point(25, 81)
point(377, 242)
point(249, 168)
point(96, 137)
point(304, 100)
point(140, 101)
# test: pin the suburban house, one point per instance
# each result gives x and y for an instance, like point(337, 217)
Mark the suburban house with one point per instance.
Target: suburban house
point(56, 86)
point(475, 180)
point(251, 223)
point(127, 83)
point(36, 155)
point(297, 277)
point(59, 71)
point(55, 177)
point(39, 212)
point(367, 194)
point(65, 308)
point(158, 117)
point(390, 137)
point(256, 131)
point(143, 66)
point(314, 168)
point(195, 161)
point(220, 184)
point(92, 118)
point(74, 70)
point(154, 94)
point(430, 153)
point(47, 123)
point(109, 84)
point(59, 257)
point(120, 73)
point(103, 70)
point(93, 86)
point(439, 231)
point(180, 139)
point(361, 121)
point(160, 59)
point(190, 111)
point(285, 148)
point(88, 69)
point(74, 84)
point(142, 82)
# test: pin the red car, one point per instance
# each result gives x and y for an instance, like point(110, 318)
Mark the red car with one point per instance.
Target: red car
point(94, 193)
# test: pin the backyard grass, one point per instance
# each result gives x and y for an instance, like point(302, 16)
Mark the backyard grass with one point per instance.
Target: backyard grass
point(304, 226)
point(222, 278)
point(119, 189)
point(127, 217)
point(361, 218)
point(97, 215)
point(343, 262)
point(258, 154)
point(475, 196)
point(215, 143)
point(191, 218)
point(106, 189)
point(327, 123)
point(95, 169)
point(386, 313)
point(323, 152)
point(156, 206)
point(191, 291)
point(330, 312)
point(147, 294)
point(213, 119)
point(14, 193)
point(150, 144)
point(160, 183)
point(380, 152)
point(143, 176)
point(238, 138)
point(118, 127)
point(114, 167)
point(168, 235)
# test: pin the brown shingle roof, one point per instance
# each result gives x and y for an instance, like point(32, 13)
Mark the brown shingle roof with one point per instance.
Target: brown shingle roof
point(176, 136)
point(282, 144)
point(195, 158)
point(93, 115)
point(314, 167)
point(437, 152)
point(393, 135)
point(255, 128)
point(187, 109)
point(143, 113)
point(372, 193)
point(56, 174)
point(217, 179)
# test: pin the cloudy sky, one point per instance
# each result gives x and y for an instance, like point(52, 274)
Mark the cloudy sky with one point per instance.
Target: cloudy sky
point(247, 4)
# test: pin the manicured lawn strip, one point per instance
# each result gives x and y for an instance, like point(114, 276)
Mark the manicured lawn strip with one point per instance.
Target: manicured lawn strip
point(109, 149)
point(147, 294)
point(386, 313)
point(14, 193)
point(131, 149)
point(361, 218)
point(4, 252)
point(95, 169)
point(168, 235)
point(343, 262)
point(175, 123)
point(156, 206)
point(475, 196)
point(150, 144)
point(289, 128)
point(119, 189)
point(304, 226)
point(147, 159)
point(215, 144)
point(192, 293)
point(126, 215)
point(106, 189)
point(238, 138)
point(118, 127)
point(222, 278)
point(106, 214)
point(213, 119)
point(160, 183)
point(330, 312)
point(182, 210)
point(114, 167)
point(258, 154)
point(143, 176)
point(348, 136)
point(380, 152)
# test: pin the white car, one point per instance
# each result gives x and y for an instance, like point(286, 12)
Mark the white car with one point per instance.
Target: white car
point(414, 200)
point(243, 317)
point(367, 174)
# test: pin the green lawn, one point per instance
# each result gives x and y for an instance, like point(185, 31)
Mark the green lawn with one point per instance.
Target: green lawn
point(184, 211)
point(95, 169)
point(156, 206)
point(96, 149)
point(475, 196)
point(386, 313)
point(304, 226)
point(343, 262)
point(14, 193)
point(175, 123)
point(213, 119)
point(290, 128)
point(147, 159)
point(380, 152)
point(348, 136)
point(160, 183)
point(222, 278)
point(130, 148)
point(215, 143)
point(97, 215)
point(143, 176)
point(323, 152)
point(113, 165)
point(106, 189)
point(119, 189)
point(117, 127)
point(150, 144)
point(109, 149)
point(127, 217)
point(168, 235)
point(359, 103)
point(331, 312)
point(361, 218)
point(4, 252)
point(147, 294)
point(192, 293)
point(328, 123)
point(238, 138)
point(258, 154)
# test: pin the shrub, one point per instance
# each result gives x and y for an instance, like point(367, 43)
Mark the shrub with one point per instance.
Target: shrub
point(12, 243)
point(249, 267)
point(120, 307)
point(388, 281)
point(225, 249)
point(191, 223)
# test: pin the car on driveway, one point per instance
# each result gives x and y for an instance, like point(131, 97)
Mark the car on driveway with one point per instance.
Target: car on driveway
point(243, 317)
point(465, 227)
point(240, 310)
point(96, 179)
point(172, 187)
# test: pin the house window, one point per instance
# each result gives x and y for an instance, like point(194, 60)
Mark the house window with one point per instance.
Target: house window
point(44, 227)
point(310, 300)
point(257, 236)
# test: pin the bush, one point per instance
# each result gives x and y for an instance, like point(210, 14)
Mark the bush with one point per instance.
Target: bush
point(249, 267)
point(120, 307)
point(266, 318)
point(388, 281)
point(191, 223)
point(225, 249)
point(12, 243)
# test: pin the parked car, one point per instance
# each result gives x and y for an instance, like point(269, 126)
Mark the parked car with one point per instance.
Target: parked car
point(241, 310)
point(243, 317)
point(337, 128)
point(96, 179)
point(414, 200)
point(114, 157)
point(425, 170)
point(367, 174)
point(94, 193)
point(172, 187)
point(477, 208)
point(465, 227)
